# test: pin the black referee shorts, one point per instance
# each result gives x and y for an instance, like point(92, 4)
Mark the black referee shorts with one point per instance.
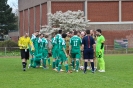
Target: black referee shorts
point(88, 53)
point(24, 54)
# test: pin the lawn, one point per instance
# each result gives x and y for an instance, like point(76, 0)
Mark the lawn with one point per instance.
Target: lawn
point(119, 74)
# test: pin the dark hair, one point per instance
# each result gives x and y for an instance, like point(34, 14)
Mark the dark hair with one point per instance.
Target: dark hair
point(70, 32)
point(99, 30)
point(88, 31)
point(37, 31)
point(46, 36)
point(75, 32)
point(60, 31)
point(64, 35)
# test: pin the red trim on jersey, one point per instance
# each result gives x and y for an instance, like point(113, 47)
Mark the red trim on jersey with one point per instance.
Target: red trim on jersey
point(88, 41)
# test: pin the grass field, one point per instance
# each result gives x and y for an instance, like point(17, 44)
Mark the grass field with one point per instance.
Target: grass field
point(119, 74)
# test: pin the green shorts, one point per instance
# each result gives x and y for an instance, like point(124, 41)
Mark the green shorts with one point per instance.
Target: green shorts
point(54, 55)
point(76, 55)
point(62, 56)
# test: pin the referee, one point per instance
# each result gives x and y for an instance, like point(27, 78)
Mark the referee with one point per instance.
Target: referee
point(88, 47)
point(23, 44)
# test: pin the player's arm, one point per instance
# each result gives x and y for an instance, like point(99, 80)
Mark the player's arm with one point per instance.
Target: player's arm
point(31, 44)
point(20, 42)
point(70, 47)
point(102, 42)
point(83, 42)
point(65, 51)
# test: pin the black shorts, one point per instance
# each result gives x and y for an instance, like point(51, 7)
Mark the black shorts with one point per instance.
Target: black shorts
point(88, 53)
point(24, 54)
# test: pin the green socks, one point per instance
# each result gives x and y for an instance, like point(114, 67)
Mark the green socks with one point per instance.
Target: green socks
point(53, 64)
point(44, 62)
point(73, 64)
point(77, 64)
point(66, 65)
point(49, 61)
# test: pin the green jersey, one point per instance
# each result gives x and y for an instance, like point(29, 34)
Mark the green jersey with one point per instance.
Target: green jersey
point(62, 44)
point(100, 40)
point(45, 43)
point(34, 39)
point(75, 43)
point(41, 45)
point(54, 44)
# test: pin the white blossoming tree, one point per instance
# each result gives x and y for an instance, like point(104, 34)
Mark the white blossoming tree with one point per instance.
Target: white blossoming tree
point(67, 21)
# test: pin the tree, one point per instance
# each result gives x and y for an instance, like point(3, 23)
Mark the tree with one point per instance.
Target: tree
point(7, 18)
point(67, 21)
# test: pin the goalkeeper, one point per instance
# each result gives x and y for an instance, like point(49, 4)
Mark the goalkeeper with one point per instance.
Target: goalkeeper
point(100, 50)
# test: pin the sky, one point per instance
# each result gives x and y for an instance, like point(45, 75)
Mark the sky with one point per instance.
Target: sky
point(13, 3)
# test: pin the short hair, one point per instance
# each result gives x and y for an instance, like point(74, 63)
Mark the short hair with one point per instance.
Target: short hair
point(37, 31)
point(46, 36)
point(64, 35)
point(75, 32)
point(88, 31)
point(70, 32)
point(60, 31)
point(99, 30)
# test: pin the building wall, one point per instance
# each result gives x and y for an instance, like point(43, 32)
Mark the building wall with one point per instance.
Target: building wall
point(44, 14)
point(61, 6)
point(26, 25)
point(31, 21)
point(103, 11)
point(127, 12)
point(37, 17)
point(21, 23)
point(97, 11)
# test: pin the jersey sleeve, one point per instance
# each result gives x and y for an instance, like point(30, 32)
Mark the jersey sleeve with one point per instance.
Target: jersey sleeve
point(93, 40)
point(33, 37)
point(70, 41)
point(80, 40)
point(83, 41)
point(19, 41)
point(102, 39)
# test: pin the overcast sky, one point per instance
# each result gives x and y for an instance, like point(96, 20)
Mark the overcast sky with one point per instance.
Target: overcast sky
point(13, 3)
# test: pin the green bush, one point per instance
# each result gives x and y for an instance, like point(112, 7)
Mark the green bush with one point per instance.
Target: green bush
point(8, 43)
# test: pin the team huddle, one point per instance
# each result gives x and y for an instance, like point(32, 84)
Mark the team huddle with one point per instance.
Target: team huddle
point(75, 48)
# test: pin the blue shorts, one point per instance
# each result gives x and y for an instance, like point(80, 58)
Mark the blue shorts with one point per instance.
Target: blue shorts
point(88, 53)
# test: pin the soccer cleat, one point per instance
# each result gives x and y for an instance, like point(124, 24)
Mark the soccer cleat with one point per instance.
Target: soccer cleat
point(93, 71)
point(55, 69)
point(84, 72)
point(95, 68)
point(73, 69)
point(77, 71)
point(41, 66)
point(61, 70)
point(101, 70)
point(45, 67)
point(69, 72)
point(29, 66)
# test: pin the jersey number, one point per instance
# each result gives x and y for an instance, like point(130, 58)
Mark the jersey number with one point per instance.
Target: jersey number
point(75, 43)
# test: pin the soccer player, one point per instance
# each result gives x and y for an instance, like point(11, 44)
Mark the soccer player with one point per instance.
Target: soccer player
point(24, 43)
point(54, 47)
point(57, 40)
point(88, 47)
point(33, 38)
point(62, 53)
point(75, 43)
point(45, 52)
point(95, 60)
point(100, 50)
